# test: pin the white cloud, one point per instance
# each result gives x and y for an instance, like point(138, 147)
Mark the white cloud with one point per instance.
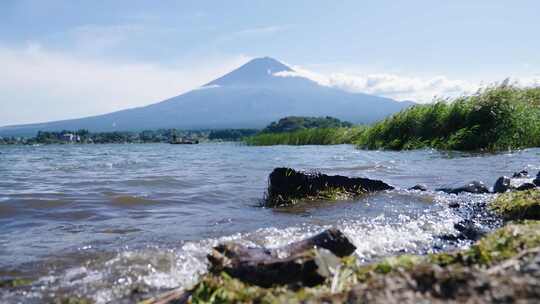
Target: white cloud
point(422, 90)
point(390, 85)
point(40, 85)
point(533, 81)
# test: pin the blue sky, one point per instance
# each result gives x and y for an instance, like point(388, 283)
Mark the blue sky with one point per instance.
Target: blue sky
point(64, 59)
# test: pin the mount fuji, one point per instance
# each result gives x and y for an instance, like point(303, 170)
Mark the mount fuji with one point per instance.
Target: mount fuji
point(249, 97)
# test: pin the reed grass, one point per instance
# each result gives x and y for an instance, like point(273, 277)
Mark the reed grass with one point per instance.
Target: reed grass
point(494, 119)
point(315, 136)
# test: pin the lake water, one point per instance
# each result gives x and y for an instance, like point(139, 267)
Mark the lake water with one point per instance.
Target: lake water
point(102, 220)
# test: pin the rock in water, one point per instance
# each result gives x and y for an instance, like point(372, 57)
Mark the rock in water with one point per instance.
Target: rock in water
point(537, 180)
point(526, 186)
point(472, 187)
point(502, 184)
point(302, 264)
point(521, 174)
point(286, 186)
point(519, 182)
point(419, 187)
point(332, 240)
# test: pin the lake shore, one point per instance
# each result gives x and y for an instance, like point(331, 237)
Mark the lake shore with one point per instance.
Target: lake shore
point(485, 272)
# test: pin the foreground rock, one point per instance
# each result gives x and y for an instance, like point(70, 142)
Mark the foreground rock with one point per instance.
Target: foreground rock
point(503, 267)
point(304, 263)
point(287, 186)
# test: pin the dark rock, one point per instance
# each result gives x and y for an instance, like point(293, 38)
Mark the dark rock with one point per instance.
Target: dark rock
point(536, 181)
point(468, 230)
point(521, 174)
point(526, 186)
point(260, 268)
point(454, 205)
point(267, 267)
point(419, 187)
point(332, 239)
point(288, 185)
point(472, 187)
point(502, 185)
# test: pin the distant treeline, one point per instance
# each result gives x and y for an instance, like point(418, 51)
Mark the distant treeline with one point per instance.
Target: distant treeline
point(498, 118)
point(298, 130)
point(148, 136)
point(297, 123)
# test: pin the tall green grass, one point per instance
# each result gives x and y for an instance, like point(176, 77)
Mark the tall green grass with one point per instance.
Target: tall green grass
point(315, 136)
point(497, 118)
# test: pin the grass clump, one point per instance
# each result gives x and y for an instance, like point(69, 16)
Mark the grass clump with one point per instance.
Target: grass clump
point(518, 205)
point(314, 136)
point(496, 118)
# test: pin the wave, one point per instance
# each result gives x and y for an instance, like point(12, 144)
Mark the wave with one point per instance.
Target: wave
point(132, 201)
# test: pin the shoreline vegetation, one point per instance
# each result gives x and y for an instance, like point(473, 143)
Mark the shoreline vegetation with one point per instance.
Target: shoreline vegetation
point(494, 119)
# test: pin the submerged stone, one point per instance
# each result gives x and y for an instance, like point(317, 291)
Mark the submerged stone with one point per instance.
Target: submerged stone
point(472, 187)
point(287, 186)
point(419, 187)
point(468, 230)
point(519, 181)
point(454, 205)
point(526, 186)
point(521, 174)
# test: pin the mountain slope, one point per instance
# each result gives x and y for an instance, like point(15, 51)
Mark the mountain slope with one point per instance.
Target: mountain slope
point(249, 97)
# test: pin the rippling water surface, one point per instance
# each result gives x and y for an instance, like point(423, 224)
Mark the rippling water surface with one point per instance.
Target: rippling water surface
point(103, 220)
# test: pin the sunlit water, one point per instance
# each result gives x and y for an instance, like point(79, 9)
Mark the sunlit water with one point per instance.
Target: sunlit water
point(103, 220)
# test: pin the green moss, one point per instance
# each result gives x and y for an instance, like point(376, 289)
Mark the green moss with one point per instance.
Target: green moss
point(442, 259)
point(73, 300)
point(518, 205)
point(18, 282)
point(222, 288)
point(393, 263)
point(506, 242)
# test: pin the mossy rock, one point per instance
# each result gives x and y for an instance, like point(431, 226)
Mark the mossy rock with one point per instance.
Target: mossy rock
point(519, 205)
point(287, 186)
